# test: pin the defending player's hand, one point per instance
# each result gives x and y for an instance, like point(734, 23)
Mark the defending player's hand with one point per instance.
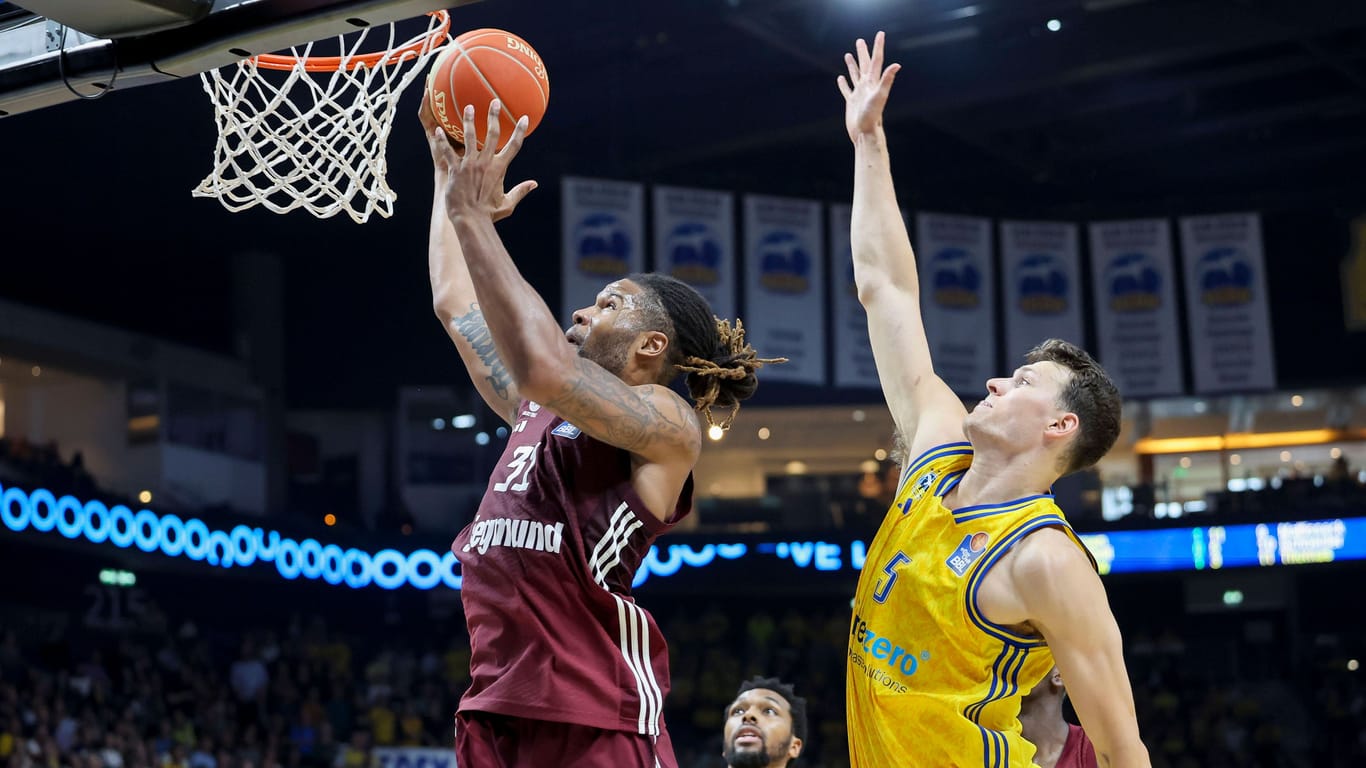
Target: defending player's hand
point(865, 92)
point(474, 185)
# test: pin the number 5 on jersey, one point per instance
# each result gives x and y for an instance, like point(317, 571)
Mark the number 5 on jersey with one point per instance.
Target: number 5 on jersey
point(519, 469)
point(884, 586)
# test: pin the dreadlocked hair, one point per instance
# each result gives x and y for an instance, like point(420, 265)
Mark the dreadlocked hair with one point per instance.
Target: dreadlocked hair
point(720, 366)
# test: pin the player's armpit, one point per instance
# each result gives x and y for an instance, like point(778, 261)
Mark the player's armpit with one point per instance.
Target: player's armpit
point(1062, 597)
point(652, 422)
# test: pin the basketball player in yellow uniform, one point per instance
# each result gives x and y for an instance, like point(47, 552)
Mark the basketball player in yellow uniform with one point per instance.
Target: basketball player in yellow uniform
point(975, 584)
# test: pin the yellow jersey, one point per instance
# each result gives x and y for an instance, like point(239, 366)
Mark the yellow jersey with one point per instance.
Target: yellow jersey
point(931, 682)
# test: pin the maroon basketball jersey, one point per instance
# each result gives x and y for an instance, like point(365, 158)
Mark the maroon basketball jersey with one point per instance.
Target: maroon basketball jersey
point(547, 564)
point(1077, 752)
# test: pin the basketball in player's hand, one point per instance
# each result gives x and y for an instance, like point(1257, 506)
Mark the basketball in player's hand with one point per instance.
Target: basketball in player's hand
point(478, 67)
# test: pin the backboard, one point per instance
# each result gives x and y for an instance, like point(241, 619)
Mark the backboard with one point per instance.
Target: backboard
point(83, 50)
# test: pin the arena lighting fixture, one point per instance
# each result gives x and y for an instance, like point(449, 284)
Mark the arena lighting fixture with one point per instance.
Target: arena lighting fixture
point(463, 421)
point(1245, 441)
point(1053, 25)
point(715, 432)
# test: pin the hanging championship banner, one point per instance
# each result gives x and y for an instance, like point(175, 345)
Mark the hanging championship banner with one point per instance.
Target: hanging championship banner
point(958, 300)
point(1226, 303)
point(854, 365)
point(602, 237)
point(1134, 290)
point(1042, 286)
point(694, 236)
point(785, 286)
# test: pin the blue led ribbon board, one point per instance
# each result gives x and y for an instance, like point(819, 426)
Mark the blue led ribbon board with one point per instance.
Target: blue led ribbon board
point(1172, 549)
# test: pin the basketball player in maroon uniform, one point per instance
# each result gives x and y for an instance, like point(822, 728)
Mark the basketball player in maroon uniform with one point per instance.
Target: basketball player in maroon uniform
point(566, 669)
point(1058, 743)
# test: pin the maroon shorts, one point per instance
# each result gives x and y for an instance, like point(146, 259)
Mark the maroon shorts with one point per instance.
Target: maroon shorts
point(486, 740)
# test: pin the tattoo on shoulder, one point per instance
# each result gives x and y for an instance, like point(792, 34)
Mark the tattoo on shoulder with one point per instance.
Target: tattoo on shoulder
point(626, 417)
point(472, 327)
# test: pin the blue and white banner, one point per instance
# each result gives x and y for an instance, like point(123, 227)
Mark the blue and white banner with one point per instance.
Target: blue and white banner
point(694, 235)
point(1041, 265)
point(958, 298)
point(854, 364)
point(1134, 288)
point(1226, 303)
point(412, 757)
point(785, 286)
point(603, 225)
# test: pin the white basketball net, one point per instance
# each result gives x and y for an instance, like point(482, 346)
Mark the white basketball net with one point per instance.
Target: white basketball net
point(312, 140)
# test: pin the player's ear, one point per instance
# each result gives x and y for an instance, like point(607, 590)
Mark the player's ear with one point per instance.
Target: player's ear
point(794, 750)
point(1063, 425)
point(652, 343)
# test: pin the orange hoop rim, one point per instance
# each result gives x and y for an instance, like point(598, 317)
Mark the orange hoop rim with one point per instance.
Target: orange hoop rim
point(333, 63)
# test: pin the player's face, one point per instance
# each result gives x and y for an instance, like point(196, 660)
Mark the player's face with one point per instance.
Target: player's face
point(758, 732)
point(605, 330)
point(1018, 409)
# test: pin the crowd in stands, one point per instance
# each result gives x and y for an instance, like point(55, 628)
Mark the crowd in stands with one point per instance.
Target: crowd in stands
point(305, 694)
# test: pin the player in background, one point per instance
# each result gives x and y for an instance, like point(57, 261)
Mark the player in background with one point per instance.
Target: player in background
point(1057, 743)
point(765, 725)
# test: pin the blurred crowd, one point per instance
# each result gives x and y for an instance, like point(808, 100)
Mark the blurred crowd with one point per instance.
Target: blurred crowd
point(303, 694)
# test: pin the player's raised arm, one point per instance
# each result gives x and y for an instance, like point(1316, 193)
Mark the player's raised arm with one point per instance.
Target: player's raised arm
point(1060, 594)
point(650, 421)
point(926, 411)
point(453, 297)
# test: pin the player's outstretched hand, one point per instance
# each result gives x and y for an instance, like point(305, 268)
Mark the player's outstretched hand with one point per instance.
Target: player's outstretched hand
point(865, 92)
point(475, 179)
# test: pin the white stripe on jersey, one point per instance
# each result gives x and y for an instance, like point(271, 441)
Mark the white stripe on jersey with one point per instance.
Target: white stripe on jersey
point(607, 554)
point(647, 721)
point(633, 625)
point(607, 539)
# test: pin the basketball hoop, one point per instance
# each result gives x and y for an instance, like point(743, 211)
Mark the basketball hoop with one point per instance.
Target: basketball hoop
point(314, 136)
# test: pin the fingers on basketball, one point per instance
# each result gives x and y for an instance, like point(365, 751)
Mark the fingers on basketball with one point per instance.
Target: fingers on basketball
point(480, 66)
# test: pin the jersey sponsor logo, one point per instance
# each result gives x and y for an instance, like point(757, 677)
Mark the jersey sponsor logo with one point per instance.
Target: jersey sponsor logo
point(567, 430)
point(922, 484)
point(973, 547)
point(883, 660)
point(520, 534)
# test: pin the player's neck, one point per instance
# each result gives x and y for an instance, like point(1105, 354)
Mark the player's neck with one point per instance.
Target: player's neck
point(996, 477)
point(1047, 730)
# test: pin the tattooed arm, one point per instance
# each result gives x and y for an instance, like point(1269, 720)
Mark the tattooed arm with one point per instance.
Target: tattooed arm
point(453, 297)
point(653, 423)
point(453, 300)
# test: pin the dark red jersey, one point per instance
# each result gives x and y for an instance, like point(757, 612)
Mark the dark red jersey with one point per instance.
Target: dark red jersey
point(1077, 752)
point(547, 565)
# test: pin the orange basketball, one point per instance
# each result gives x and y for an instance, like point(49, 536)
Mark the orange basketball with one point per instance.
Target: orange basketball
point(478, 67)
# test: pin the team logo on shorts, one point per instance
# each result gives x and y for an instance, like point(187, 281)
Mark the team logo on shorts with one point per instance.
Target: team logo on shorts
point(567, 430)
point(973, 547)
